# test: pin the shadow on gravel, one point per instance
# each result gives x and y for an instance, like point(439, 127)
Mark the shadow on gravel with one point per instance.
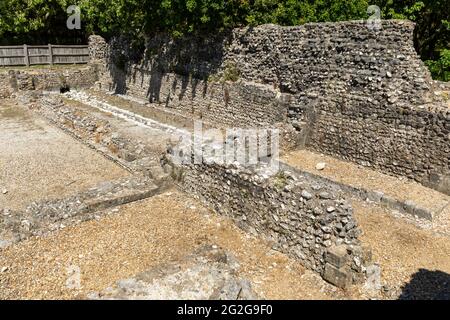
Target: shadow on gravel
point(427, 285)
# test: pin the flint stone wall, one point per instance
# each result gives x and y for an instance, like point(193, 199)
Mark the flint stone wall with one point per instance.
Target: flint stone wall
point(50, 79)
point(299, 215)
point(338, 88)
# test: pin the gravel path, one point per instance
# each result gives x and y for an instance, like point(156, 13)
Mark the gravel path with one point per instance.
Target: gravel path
point(358, 176)
point(134, 237)
point(40, 162)
point(141, 235)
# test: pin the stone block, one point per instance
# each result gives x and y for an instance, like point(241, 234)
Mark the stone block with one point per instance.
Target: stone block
point(340, 277)
point(337, 256)
point(375, 196)
point(373, 281)
point(423, 213)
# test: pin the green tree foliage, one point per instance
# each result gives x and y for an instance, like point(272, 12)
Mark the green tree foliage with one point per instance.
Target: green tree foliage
point(440, 68)
point(40, 21)
point(432, 33)
point(35, 21)
point(432, 17)
point(294, 12)
point(176, 16)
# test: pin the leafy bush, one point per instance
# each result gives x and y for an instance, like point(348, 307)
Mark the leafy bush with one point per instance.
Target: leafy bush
point(440, 69)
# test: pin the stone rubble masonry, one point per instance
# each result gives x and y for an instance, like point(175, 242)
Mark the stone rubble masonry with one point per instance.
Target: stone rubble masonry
point(42, 217)
point(133, 156)
point(147, 177)
point(98, 48)
point(402, 206)
point(47, 79)
point(301, 215)
point(298, 215)
point(338, 88)
point(101, 136)
point(185, 279)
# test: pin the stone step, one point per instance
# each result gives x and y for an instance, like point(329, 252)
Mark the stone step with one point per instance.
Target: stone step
point(119, 198)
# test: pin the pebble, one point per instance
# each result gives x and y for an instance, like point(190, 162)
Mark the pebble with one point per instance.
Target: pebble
point(4, 191)
point(327, 243)
point(4, 243)
point(306, 195)
point(325, 195)
point(320, 166)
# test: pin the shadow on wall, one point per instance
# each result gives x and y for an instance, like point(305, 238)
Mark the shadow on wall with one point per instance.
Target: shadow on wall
point(194, 58)
point(427, 285)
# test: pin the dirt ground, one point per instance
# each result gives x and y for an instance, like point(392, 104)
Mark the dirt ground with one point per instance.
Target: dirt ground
point(405, 248)
point(135, 237)
point(38, 161)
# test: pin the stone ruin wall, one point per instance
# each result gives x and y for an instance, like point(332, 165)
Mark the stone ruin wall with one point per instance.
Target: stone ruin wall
point(300, 216)
point(48, 79)
point(338, 88)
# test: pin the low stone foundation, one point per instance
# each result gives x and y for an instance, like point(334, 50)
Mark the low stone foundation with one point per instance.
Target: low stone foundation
point(185, 279)
point(40, 218)
point(50, 79)
point(300, 216)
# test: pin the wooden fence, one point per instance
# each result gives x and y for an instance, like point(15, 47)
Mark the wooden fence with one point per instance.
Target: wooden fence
point(49, 54)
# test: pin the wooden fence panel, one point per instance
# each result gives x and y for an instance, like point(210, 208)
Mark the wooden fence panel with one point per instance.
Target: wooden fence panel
point(46, 54)
point(12, 56)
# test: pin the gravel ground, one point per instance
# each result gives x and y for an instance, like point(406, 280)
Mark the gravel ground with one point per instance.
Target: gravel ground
point(410, 252)
point(359, 176)
point(40, 162)
point(141, 235)
point(407, 254)
point(135, 237)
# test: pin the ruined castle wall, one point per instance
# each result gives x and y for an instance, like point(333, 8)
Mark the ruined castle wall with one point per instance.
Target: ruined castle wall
point(300, 216)
point(5, 86)
point(188, 81)
point(344, 89)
